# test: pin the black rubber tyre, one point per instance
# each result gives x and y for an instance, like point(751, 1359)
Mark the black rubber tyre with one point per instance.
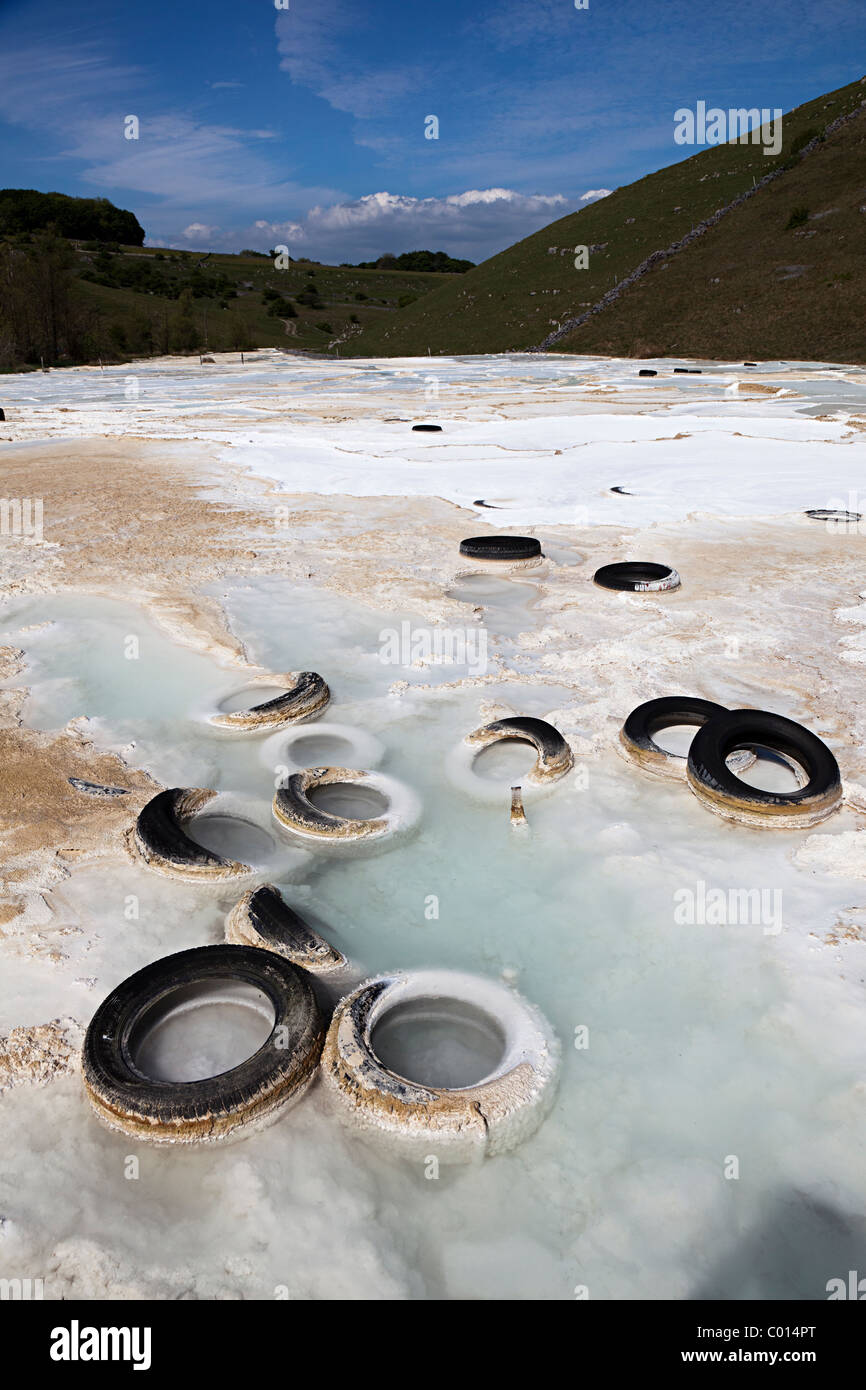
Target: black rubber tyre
point(500, 547)
point(427, 429)
point(305, 697)
point(211, 1109)
point(639, 576)
point(723, 792)
point(650, 718)
point(554, 756)
point(647, 371)
point(163, 843)
point(2, 415)
point(637, 739)
point(264, 919)
point(825, 514)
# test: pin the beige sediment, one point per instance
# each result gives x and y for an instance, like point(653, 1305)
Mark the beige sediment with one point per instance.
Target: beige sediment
point(36, 1055)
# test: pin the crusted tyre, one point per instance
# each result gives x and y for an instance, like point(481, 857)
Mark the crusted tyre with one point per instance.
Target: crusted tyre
point(638, 576)
point(306, 695)
point(217, 1107)
point(510, 549)
point(637, 740)
point(263, 918)
point(458, 1124)
point(294, 810)
point(719, 789)
point(165, 833)
point(427, 429)
point(290, 749)
point(163, 843)
point(841, 519)
point(554, 757)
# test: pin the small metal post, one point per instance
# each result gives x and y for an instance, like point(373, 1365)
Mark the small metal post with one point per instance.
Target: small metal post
point(518, 815)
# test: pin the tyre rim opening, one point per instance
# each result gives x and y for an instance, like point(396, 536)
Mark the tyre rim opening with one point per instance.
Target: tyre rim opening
point(675, 739)
point(349, 801)
point(316, 750)
point(770, 772)
point(504, 761)
point(200, 1030)
point(444, 1043)
point(249, 697)
point(233, 838)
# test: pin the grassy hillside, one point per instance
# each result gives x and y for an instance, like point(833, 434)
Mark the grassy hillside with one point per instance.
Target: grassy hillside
point(230, 304)
point(514, 300)
point(64, 301)
point(782, 276)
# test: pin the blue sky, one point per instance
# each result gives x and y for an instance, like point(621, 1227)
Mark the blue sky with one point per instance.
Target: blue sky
point(305, 126)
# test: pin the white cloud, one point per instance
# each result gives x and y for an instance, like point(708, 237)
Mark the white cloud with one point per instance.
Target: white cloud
point(197, 231)
point(593, 194)
point(475, 224)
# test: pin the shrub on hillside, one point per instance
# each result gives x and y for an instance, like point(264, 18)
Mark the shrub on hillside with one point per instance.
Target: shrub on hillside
point(797, 218)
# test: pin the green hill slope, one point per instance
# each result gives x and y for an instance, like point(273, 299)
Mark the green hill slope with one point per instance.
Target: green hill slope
point(518, 298)
point(66, 301)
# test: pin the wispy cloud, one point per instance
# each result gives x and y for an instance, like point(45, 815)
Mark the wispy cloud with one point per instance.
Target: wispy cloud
point(318, 41)
point(184, 166)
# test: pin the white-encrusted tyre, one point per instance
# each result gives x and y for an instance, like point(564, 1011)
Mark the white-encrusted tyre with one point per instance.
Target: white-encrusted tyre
point(263, 918)
point(166, 829)
point(305, 696)
point(460, 1124)
point(343, 744)
point(296, 813)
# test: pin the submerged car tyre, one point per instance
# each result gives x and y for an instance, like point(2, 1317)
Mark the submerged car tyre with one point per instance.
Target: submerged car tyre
point(289, 750)
point(637, 733)
point(215, 1108)
point(163, 843)
point(554, 758)
point(488, 1117)
point(306, 696)
point(501, 548)
point(638, 576)
point(719, 789)
point(263, 918)
point(294, 810)
point(841, 517)
point(166, 828)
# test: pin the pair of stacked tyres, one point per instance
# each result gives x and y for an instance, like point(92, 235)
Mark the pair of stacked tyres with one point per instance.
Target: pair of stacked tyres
point(724, 736)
